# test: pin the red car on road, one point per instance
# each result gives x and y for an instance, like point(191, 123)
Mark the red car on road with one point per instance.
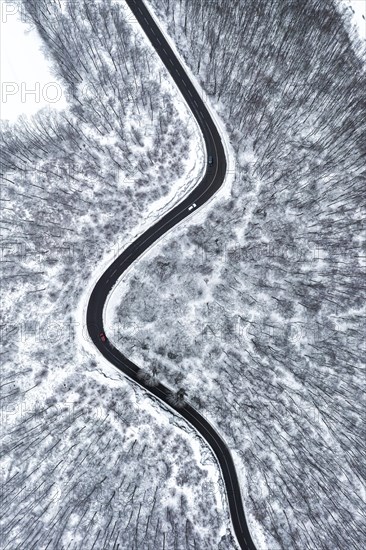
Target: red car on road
point(102, 336)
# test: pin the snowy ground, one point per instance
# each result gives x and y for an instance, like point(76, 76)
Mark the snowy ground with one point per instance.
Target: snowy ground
point(358, 9)
point(27, 82)
point(259, 317)
point(78, 184)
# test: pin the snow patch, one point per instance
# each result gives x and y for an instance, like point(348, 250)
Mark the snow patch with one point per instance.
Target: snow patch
point(27, 80)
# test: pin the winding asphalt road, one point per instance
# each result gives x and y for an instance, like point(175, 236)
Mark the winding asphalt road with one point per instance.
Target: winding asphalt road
point(210, 183)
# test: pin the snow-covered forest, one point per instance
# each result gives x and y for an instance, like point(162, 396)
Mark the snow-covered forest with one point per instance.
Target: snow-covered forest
point(88, 459)
point(256, 306)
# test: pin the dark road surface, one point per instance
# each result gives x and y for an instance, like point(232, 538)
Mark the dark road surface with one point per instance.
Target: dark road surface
point(210, 183)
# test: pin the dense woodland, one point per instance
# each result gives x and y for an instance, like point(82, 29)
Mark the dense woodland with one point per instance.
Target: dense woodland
point(88, 461)
point(97, 466)
point(258, 312)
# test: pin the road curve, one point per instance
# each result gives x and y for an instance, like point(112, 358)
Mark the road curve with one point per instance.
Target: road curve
point(207, 187)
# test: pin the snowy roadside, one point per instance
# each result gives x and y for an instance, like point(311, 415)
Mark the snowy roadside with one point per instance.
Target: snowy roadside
point(198, 215)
